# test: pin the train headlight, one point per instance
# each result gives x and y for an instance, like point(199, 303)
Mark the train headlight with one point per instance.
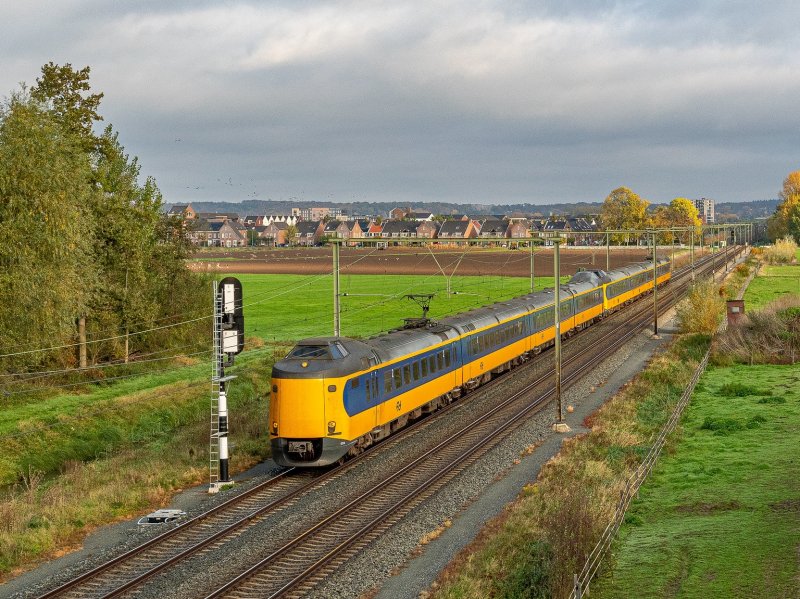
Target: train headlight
point(331, 426)
point(274, 428)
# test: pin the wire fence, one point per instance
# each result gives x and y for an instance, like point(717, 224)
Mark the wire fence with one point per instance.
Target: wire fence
point(581, 581)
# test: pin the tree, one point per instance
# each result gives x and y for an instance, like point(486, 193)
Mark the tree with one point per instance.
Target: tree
point(84, 238)
point(786, 220)
point(47, 236)
point(291, 234)
point(685, 214)
point(65, 92)
point(624, 209)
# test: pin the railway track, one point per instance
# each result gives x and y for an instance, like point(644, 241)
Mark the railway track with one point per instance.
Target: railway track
point(297, 566)
point(307, 556)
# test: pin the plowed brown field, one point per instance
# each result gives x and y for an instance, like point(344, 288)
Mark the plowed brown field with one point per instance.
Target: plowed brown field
point(404, 261)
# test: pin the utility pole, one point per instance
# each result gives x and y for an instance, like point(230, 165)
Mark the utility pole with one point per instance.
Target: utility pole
point(608, 252)
point(530, 244)
point(691, 250)
point(655, 291)
point(725, 235)
point(560, 426)
point(713, 257)
point(82, 342)
point(336, 313)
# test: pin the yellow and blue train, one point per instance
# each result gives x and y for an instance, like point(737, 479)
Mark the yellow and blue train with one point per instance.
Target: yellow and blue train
point(333, 397)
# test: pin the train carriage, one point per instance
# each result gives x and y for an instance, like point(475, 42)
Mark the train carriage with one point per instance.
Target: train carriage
point(334, 396)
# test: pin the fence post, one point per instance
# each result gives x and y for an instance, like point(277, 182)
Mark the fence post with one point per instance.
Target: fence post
point(576, 587)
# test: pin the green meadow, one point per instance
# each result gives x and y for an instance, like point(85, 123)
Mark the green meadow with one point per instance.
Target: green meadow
point(288, 307)
point(719, 516)
point(772, 283)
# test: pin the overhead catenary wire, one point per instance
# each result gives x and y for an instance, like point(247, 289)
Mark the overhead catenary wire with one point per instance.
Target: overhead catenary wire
point(122, 336)
point(35, 374)
point(38, 389)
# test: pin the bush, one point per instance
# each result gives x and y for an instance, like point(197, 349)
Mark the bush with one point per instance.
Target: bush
point(701, 310)
point(768, 336)
point(782, 252)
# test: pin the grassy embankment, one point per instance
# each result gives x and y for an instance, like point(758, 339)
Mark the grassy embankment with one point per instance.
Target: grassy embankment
point(719, 518)
point(536, 545)
point(78, 457)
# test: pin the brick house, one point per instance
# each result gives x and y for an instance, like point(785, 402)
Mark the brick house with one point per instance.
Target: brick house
point(518, 229)
point(427, 229)
point(185, 211)
point(309, 232)
point(492, 228)
point(275, 234)
point(457, 229)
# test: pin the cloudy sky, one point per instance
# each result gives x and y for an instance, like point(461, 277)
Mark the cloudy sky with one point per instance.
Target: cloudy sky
point(472, 101)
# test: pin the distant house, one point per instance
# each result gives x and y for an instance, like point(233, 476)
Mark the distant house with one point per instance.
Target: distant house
point(309, 232)
point(218, 234)
point(354, 230)
point(582, 231)
point(275, 234)
point(199, 232)
point(398, 213)
point(185, 211)
point(427, 229)
point(492, 228)
point(554, 228)
point(457, 229)
point(396, 229)
point(289, 219)
point(218, 217)
point(374, 230)
point(518, 229)
point(420, 215)
point(253, 220)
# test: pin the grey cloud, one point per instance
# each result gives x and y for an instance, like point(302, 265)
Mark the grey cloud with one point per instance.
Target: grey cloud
point(481, 101)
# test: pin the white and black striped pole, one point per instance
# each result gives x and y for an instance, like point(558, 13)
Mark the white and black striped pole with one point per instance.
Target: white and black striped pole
point(223, 435)
point(230, 341)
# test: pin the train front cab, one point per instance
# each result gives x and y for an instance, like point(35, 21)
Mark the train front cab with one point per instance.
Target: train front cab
point(306, 390)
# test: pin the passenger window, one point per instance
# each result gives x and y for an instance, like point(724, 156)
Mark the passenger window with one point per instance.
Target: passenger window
point(424, 367)
point(354, 383)
point(432, 363)
point(407, 374)
point(387, 382)
point(398, 378)
point(368, 393)
point(447, 358)
point(440, 361)
point(415, 368)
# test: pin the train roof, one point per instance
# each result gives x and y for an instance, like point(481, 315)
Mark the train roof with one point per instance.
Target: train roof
point(336, 356)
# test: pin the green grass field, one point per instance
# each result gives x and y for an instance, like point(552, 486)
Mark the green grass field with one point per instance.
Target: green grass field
point(719, 517)
point(286, 307)
point(772, 283)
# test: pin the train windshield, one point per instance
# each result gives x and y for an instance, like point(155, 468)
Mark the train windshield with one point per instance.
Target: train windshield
point(310, 352)
point(334, 351)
